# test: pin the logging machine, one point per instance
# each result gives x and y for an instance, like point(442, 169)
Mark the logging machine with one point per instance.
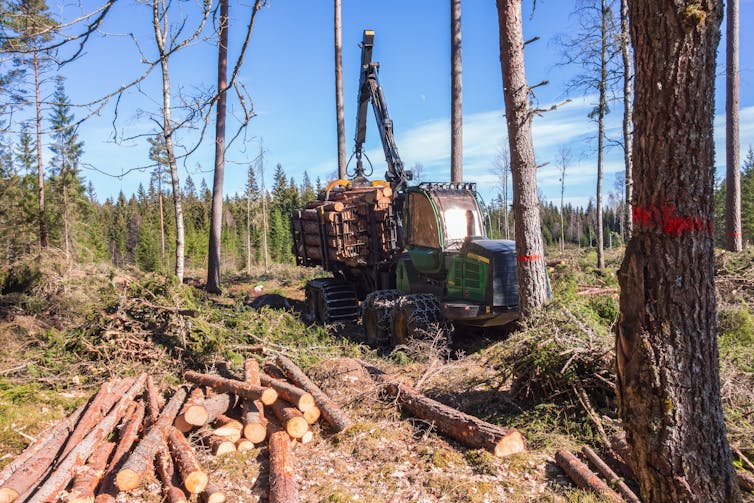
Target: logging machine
point(407, 259)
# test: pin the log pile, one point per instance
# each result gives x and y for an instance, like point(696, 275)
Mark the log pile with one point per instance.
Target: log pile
point(356, 227)
point(127, 435)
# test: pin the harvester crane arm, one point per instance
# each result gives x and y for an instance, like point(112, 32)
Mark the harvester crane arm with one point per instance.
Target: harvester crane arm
point(371, 91)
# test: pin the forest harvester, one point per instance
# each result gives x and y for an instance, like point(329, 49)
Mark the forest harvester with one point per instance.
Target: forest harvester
point(415, 257)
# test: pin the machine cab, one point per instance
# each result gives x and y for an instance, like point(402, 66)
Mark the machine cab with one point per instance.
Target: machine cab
point(438, 218)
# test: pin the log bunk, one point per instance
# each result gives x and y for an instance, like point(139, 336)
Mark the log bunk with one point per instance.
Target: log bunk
point(128, 434)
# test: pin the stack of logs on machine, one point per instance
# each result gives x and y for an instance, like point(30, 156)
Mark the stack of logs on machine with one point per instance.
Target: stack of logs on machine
point(354, 226)
point(85, 458)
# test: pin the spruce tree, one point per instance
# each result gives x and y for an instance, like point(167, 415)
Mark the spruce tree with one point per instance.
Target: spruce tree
point(67, 186)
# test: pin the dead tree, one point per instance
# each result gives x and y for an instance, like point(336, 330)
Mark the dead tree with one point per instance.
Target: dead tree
point(532, 279)
point(668, 379)
point(625, 50)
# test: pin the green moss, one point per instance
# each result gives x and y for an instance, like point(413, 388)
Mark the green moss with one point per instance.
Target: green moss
point(482, 461)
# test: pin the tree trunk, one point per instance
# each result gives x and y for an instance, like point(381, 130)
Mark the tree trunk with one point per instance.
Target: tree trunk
point(87, 479)
point(162, 218)
point(130, 475)
point(625, 49)
point(339, 92)
point(129, 432)
point(167, 133)
point(601, 134)
point(65, 469)
point(216, 217)
point(66, 226)
point(43, 241)
point(265, 227)
point(456, 94)
point(732, 154)
point(668, 379)
point(283, 488)
point(466, 429)
point(238, 388)
point(330, 411)
point(297, 397)
point(248, 234)
point(193, 475)
point(532, 279)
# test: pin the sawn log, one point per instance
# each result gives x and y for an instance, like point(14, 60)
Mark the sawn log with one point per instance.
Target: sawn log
point(239, 388)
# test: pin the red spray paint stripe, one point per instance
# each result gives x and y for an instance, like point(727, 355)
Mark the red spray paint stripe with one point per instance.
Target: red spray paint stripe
point(734, 234)
point(666, 219)
point(529, 258)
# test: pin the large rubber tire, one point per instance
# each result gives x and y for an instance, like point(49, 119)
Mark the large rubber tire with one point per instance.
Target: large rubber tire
point(375, 316)
point(418, 317)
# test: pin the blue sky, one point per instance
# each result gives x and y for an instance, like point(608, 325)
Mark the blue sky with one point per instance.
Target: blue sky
point(289, 72)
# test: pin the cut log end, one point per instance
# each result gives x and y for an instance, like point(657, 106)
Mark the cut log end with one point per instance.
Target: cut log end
point(512, 443)
point(224, 447)
point(255, 432)
point(127, 479)
point(312, 415)
point(81, 499)
point(244, 445)
point(306, 403)
point(195, 482)
point(196, 415)
point(8, 495)
point(297, 427)
point(307, 437)
point(268, 396)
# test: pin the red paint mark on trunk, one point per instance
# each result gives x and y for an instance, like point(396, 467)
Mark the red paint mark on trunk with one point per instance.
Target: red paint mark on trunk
point(666, 219)
point(529, 258)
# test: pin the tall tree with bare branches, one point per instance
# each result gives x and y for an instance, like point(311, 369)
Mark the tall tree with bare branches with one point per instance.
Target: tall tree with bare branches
point(668, 379)
point(456, 94)
point(732, 147)
point(216, 215)
point(532, 278)
point(31, 27)
point(625, 50)
point(340, 115)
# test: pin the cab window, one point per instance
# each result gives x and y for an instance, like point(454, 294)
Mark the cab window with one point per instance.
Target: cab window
point(423, 225)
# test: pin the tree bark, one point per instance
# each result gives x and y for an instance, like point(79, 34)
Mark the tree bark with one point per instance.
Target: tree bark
point(602, 110)
point(456, 94)
point(732, 152)
point(625, 49)
point(87, 479)
point(161, 36)
point(532, 278)
point(342, 159)
point(466, 429)
point(43, 241)
point(64, 470)
point(193, 475)
point(216, 217)
point(583, 477)
point(333, 414)
point(255, 425)
point(238, 388)
point(668, 380)
point(129, 432)
point(290, 418)
point(612, 478)
point(283, 487)
point(130, 475)
point(299, 398)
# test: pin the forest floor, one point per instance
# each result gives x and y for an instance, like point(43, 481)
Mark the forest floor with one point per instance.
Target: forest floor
point(64, 331)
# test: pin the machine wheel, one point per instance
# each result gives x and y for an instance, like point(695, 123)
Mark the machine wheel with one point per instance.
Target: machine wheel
point(329, 300)
point(418, 317)
point(375, 315)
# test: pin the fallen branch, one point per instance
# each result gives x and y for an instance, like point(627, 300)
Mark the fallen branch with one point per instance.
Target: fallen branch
point(610, 475)
point(334, 416)
point(583, 477)
point(466, 429)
